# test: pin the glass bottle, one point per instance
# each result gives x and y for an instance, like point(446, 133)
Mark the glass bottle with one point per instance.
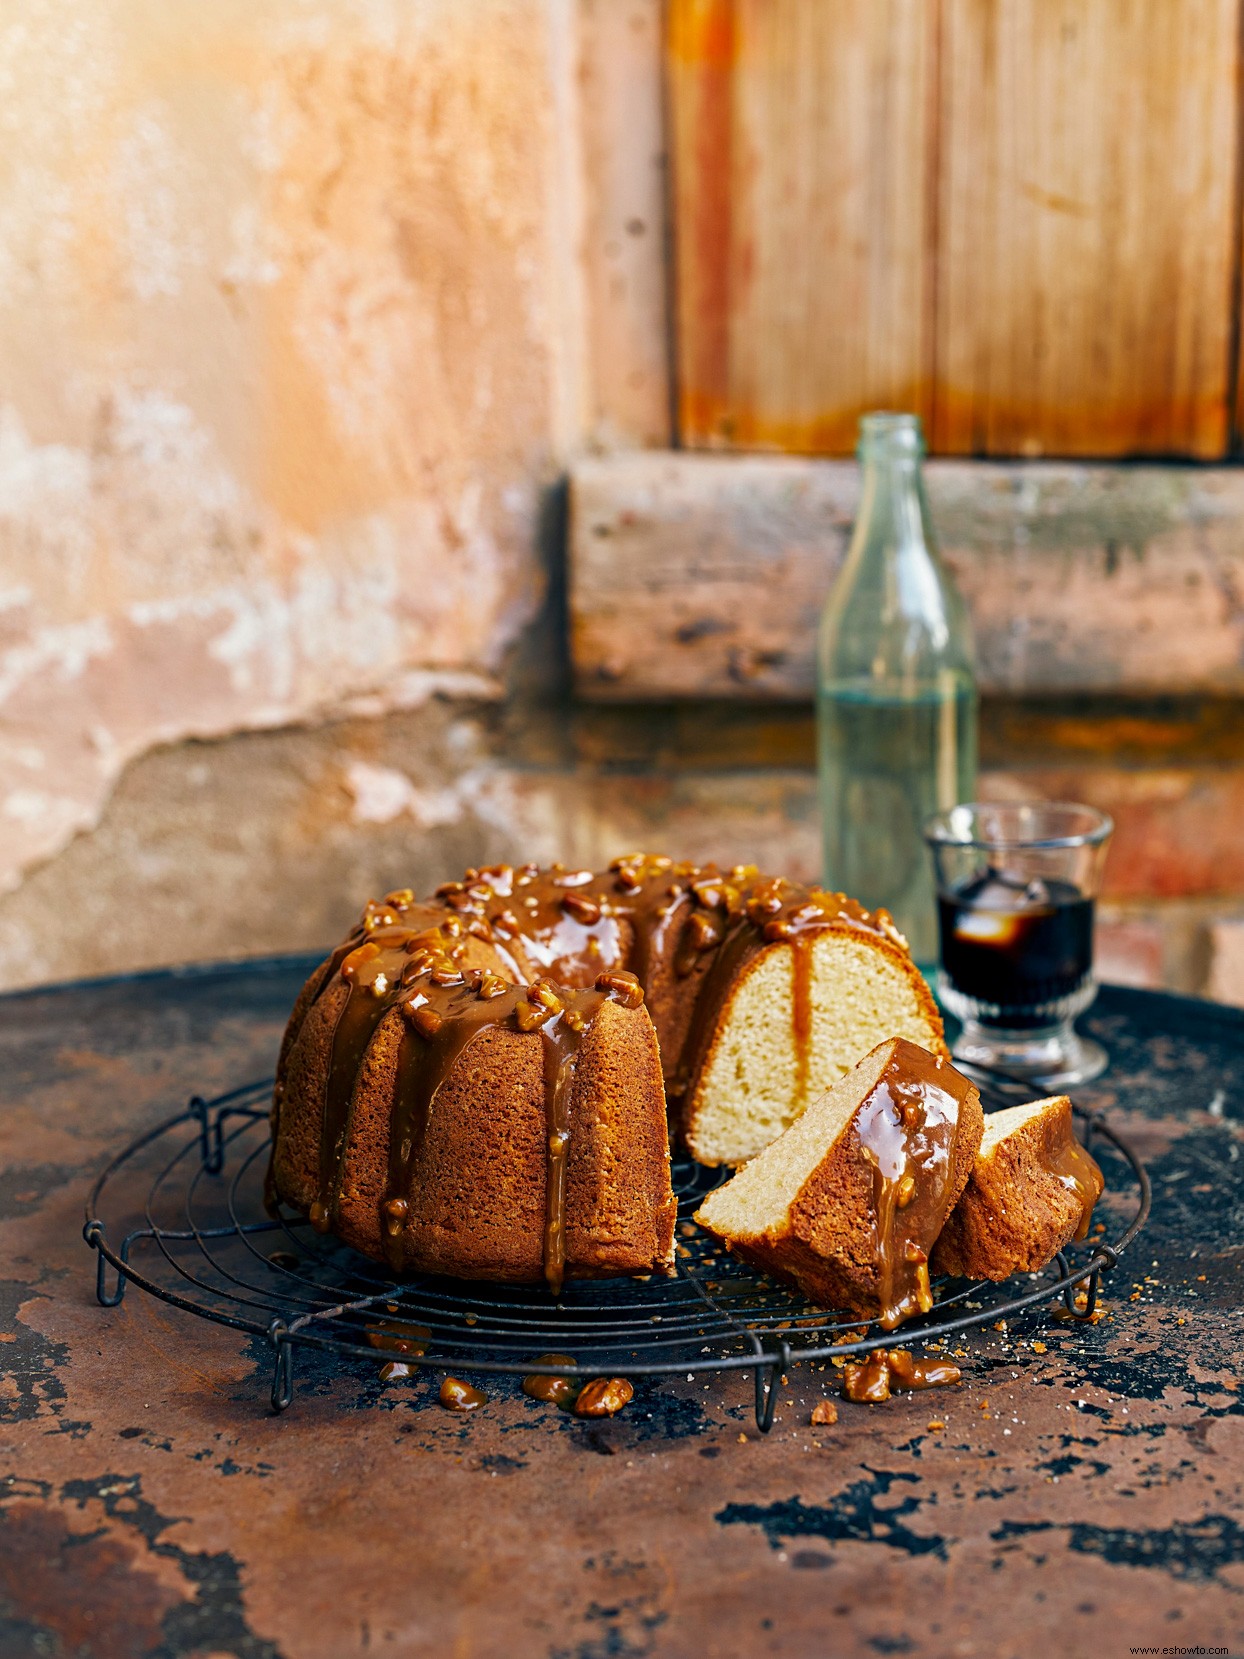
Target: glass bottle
point(896, 691)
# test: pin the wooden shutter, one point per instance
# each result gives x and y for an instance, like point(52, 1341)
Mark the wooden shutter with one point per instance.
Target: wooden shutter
point(1016, 217)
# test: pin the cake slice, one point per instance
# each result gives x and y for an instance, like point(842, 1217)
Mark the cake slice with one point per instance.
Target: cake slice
point(848, 1202)
point(1031, 1190)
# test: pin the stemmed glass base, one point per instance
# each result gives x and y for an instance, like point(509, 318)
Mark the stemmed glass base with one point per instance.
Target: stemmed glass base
point(1052, 1057)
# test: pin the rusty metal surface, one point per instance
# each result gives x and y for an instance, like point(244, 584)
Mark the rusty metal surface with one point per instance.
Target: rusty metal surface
point(1083, 1495)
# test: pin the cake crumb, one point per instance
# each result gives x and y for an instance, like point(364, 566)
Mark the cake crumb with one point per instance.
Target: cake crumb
point(825, 1411)
point(936, 1425)
point(1039, 1348)
point(743, 1439)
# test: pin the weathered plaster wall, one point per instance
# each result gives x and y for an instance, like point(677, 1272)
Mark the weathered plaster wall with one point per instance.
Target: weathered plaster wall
point(289, 349)
point(272, 840)
point(269, 840)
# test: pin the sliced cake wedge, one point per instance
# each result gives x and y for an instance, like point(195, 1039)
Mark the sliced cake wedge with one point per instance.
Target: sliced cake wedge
point(848, 1202)
point(1032, 1189)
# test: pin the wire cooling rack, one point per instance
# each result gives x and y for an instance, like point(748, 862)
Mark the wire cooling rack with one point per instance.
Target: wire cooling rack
point(179, 1214)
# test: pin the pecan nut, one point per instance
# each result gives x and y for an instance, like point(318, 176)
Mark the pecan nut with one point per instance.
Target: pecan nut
point(582, 907)
point(543, 993)
point(426, 1021)
point(603, 1397)
point(623, 987)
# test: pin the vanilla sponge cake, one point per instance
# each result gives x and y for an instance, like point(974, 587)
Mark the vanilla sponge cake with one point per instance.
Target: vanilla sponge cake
point(842, 994)
point(465, 1065)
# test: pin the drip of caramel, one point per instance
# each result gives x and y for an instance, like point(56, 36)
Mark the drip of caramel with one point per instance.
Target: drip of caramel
point(1079, 1174)
point(906, 1130)
point(456, 1395)
point(396, 1336)
point(801, 1010)
point(559, 1054)
point(895, 1371)
point(559, 1391)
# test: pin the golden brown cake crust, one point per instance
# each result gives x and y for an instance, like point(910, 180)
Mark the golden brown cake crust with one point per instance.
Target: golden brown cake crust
point(1027, 1197)
point(475, 1191)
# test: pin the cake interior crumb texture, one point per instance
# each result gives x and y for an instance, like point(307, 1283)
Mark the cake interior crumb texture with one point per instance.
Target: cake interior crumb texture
point(751, 1089)
point(757, 1200)
point(999, 1125)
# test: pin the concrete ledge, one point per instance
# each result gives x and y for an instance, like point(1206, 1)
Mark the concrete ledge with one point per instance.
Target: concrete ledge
point(703, 576)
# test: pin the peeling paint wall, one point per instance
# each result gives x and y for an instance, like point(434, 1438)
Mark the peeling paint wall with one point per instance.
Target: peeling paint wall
point(289, 349)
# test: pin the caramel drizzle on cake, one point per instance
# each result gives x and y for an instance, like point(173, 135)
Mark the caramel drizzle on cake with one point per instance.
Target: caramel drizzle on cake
point(1080, 1175)
point(569, 939)
point(906, 1130)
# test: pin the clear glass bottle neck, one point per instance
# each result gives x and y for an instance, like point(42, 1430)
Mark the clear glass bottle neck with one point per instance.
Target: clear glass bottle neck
point(890, 451)
point(894, 615)
point(880, 461)
point(893, 512)
point(890, 440)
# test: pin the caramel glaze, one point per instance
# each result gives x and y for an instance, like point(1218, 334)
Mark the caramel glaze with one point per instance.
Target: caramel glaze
point(1078, 1172)
point(396, 1336)
point(456, 1395)
point(567, 939)
point(906, 1130)
point(896, 1371)
point(560, 1391)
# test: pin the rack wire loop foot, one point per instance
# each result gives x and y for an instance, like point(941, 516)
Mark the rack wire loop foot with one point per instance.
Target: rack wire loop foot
point(283, 1371)
point(211, 1135)
point(96, 1237)
point(768, 1376)
point(1085, 1310)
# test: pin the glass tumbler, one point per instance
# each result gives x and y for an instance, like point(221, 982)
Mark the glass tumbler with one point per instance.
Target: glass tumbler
point(1016, 885)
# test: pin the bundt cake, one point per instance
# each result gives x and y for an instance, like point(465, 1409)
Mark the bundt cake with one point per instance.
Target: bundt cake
point(1031, 1191)
point(472, 1084)
point(848, 1203)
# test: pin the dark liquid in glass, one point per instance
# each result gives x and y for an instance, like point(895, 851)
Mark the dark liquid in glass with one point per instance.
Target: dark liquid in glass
point(1015, 943)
